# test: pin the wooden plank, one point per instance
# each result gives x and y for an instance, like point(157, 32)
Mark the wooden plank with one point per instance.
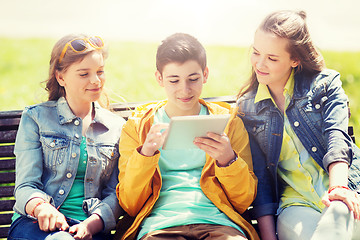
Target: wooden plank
point(7, 136)
point(7, 191)
point(9, 123)
point(11, 114)
point(7, 177)
point(6, 205)
point(5, 218)
point(7, 164)
point(4, 232)
point(7, 151)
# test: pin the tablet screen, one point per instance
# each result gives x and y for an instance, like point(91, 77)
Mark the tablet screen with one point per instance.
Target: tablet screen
point(184, 129)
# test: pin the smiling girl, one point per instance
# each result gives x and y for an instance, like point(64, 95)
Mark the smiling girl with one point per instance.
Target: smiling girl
point(67, 151)
point(296, 114)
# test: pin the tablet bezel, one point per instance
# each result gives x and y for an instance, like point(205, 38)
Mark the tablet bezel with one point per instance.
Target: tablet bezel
point(183, 130)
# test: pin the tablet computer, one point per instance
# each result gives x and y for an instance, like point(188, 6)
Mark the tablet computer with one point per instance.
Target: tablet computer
point(183, 129)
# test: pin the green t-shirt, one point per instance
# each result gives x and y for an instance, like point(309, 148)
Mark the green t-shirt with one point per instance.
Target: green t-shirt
point(72, 206)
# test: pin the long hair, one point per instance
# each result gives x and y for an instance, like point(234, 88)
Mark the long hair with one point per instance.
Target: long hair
point(53, 88)
point(290, 25)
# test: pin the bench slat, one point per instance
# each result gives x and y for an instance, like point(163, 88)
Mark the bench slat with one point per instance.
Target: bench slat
point(7, 151)
point(7, 164)
point(10, 114)
point(6, 205)
point(8, 136)
point(6, 191)
point(7, 177)
point(5, 218)
point(4, 231)
point(9, 123)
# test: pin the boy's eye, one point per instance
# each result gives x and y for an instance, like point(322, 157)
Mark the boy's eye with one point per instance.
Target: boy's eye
point(255, 53)
point(174, 81)
point(83, 74)
point(194, 79)
point(100, 72)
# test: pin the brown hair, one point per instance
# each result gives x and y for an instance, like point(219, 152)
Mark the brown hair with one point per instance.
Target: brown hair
point(291, 25)
point(53, 88)
point(179, 48)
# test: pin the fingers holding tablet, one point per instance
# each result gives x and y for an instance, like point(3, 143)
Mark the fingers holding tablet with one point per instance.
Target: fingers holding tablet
point(217, 146)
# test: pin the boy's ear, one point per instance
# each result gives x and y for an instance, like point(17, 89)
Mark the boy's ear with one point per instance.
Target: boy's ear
point(59, 78)
point(159, 78)
point(206, 74)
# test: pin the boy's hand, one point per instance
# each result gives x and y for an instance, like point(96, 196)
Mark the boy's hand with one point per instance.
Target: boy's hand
point(217, 146)
point(154, 139)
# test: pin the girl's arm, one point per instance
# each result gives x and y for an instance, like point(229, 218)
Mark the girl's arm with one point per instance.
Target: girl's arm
point(48, 217)
point(338, 180)
point(267, 227)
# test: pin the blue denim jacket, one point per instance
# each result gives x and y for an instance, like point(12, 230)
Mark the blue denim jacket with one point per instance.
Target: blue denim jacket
point(318, 113)
point(47, 152)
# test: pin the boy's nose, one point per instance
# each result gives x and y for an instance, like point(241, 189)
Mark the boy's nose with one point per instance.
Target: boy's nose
point(186, 87)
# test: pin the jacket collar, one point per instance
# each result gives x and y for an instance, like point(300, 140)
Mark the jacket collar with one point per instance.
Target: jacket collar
point(67, 116)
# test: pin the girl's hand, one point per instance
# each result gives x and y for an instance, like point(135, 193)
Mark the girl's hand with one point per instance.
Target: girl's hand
point(89, 227)
point(349, 197)
point(81, 231)
point(49, 218)
point(154, 139)
point(217, 146)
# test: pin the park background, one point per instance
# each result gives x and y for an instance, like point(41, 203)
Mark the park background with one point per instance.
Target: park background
point(134, 28)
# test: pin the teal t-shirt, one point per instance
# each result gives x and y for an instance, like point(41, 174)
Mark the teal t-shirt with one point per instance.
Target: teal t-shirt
point(181, 201)
point(72, 206)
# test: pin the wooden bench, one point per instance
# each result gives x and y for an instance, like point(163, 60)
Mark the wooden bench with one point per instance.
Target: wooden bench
point(9, 122)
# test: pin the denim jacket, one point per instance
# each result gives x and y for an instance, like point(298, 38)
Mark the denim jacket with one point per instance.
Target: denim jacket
point(47, 149)
point(318, 113)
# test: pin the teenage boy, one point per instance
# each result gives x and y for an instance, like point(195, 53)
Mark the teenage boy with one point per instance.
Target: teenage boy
point(189, 193)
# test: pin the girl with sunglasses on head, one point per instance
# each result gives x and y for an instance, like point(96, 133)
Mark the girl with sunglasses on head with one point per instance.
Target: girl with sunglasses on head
point(296, 114)
point(67, 151)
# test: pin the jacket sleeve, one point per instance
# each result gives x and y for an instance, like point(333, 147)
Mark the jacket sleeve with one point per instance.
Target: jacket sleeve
point(265, 202)
point(29, 163)
point(107, 207)
point(335, 123)
point(238, 180)
point(137, 173)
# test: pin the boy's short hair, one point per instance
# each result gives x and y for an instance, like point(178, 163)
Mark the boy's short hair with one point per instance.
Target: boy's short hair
point(179, 48)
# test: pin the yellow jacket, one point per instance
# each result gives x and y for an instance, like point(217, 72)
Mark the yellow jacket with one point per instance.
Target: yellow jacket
point(232, 189)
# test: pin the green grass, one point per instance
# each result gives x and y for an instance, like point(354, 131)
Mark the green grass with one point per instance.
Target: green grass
point(130, 72)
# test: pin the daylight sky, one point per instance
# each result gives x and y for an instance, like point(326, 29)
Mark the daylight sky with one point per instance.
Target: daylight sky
point(334, 24)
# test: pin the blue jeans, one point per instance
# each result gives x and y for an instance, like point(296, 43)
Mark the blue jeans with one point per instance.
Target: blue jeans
point(304, 223)
point(26, 228)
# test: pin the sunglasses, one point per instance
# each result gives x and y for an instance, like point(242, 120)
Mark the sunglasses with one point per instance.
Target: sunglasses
point(80, 45)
